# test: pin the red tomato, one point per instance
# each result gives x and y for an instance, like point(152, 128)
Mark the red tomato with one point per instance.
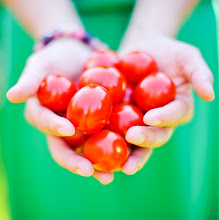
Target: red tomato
point(136, 65)
point(90, 109)
point(106, 150)
point(155, 90)
point(102, 58)
point(77, 139)
point(56, 92)
point(129, 94)
point(108, 77)
point(123, 117)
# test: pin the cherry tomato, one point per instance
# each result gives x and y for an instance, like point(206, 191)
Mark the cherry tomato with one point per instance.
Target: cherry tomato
point(106, 150)
point(129, 94)
point(123, 117)
point(77, 139)
point(155, 90)
point(56, 92)
point(106, 58)
point(108, 77)
point(136, 65)
point(90, 109)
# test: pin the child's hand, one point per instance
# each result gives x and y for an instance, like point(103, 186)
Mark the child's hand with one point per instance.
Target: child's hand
point(185, 65)
point(64, 57)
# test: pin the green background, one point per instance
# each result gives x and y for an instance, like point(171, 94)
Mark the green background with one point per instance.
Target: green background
point(179, 181)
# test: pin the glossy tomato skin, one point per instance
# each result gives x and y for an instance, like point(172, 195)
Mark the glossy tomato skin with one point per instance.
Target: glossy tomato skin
point(123, 117)
point(77, 139)
point(154, 91)
point(106, 58)
point(136, 65)
point(129, 94)
point(108, 77)
point(106, 150)
point(56, 92)
point(90, 109)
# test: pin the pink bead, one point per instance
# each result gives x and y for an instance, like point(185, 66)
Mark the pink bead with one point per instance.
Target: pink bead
point(78, 34)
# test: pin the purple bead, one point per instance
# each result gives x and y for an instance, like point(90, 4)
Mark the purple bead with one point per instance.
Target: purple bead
point(86, 39)
point(47, 39)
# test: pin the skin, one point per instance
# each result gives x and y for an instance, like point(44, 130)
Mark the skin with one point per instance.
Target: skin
point(184, 64)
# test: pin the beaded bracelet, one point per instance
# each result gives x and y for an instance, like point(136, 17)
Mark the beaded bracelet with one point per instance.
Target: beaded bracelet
point(78, 34)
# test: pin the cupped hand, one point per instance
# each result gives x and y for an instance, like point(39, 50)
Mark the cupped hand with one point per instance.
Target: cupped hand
point(65, 57)
point(186, 67)
point(62, 56)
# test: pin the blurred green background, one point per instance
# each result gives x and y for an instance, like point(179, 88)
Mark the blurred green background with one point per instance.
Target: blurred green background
point(188, 195)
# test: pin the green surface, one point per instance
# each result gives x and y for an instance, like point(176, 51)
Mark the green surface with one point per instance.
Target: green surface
point(178, 182)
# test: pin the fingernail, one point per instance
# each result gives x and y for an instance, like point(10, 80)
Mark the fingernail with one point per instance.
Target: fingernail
point(134, 171)
point(129, 171)
point(138, 139)
point(79, 172)
point(8, 94)
point(209, 87)
point(63, 132)
point(107, 179)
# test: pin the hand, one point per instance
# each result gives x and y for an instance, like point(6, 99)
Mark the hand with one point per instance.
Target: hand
point(73, 161)
point(65, 57)
point(185, 65)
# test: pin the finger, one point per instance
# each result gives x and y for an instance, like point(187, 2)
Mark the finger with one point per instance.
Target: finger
point(103, 177)
point(136, 160)
point(46, 120)
point(29, 82)
point(176, 112)
point(149, 137)
point(200, 76)
point(68, 158)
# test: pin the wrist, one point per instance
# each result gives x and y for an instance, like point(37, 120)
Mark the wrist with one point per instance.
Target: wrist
point(72, 32)
point(153, 27)
point(62, 15)
point(135, 39)
point(157, 17)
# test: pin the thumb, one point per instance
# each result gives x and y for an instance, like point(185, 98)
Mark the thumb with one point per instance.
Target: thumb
point(29, 82)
